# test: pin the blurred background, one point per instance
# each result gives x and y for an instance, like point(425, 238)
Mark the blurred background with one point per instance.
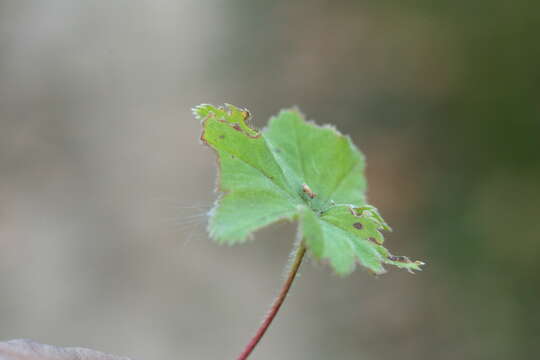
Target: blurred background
point(104, 186)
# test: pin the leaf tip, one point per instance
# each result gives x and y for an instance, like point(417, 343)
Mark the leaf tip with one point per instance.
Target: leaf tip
point(404, 262)
point(200, 112)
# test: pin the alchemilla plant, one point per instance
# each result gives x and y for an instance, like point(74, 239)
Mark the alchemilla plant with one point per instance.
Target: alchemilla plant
point(294, 170)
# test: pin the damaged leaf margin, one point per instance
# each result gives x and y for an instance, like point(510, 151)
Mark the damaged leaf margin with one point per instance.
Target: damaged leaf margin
point(295, 170)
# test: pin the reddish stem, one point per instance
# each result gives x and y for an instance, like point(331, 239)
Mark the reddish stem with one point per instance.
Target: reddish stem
point(299, 256)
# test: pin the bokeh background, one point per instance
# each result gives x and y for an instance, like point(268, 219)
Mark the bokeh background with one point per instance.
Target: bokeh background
point(104, 186)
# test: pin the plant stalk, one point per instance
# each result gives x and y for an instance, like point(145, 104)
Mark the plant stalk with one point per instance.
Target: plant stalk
point(293, 270)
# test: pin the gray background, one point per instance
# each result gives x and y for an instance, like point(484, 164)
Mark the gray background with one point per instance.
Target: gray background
point(104, 186)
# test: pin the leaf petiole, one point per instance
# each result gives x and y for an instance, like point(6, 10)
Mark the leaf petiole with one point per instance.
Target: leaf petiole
point(291, 275)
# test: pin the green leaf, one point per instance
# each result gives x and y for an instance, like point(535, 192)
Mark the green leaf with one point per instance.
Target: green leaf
point(295, 170)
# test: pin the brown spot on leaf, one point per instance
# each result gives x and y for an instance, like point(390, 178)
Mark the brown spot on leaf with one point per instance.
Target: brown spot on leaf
point(373, 240)
point(222, 136)
point(237, 127)
point(358, 226)
point(246, 114)
point(307, 190)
